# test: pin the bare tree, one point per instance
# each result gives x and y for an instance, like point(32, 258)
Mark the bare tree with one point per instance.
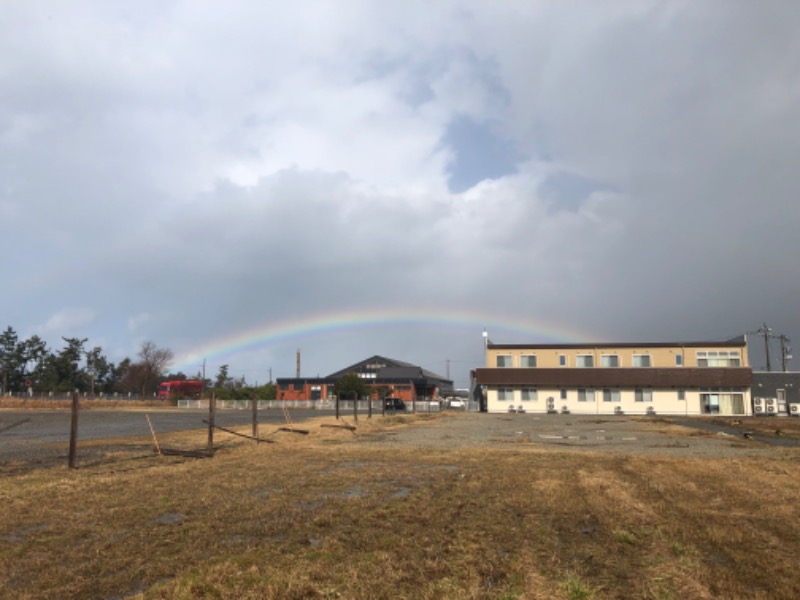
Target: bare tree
point(154, 363)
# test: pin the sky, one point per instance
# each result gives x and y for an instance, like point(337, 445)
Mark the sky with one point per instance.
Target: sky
point(240, 181)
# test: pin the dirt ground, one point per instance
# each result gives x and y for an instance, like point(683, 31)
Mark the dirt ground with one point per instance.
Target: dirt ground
point(664, 436)
point(625, 435)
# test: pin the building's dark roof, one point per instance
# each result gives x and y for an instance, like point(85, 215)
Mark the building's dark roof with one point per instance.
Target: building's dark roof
point(386, 370)
point(372, 364)
point(734, 343)
point(618, 377)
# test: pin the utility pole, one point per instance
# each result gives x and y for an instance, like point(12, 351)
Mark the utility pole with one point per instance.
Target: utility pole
point(786, 352)
point(765, 331)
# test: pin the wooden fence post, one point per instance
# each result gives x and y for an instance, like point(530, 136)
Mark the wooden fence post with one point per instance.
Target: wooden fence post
point(212, 409)
point(73, 431)
point(255, 419)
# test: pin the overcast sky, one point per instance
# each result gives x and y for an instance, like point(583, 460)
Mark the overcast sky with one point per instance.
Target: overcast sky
point(188, 172)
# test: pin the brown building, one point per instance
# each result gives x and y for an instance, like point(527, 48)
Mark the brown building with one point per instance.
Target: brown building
point(394, 378)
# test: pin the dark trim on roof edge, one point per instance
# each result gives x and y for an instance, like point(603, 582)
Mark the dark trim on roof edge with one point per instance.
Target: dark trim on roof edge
point(728, 344)
point(619, 377)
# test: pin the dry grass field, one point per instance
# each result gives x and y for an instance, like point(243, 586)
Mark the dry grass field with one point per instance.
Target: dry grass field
point(337, 514)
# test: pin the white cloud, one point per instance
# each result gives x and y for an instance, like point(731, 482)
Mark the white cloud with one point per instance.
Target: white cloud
point(135, 322)
point(66, 322)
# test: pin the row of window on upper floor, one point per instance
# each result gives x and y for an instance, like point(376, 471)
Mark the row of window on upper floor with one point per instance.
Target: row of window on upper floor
point(704, 359)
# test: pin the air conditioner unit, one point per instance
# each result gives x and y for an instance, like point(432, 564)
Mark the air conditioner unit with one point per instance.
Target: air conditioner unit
point(794, 410)
point(758, 401)
point(758, 409)
point(770, 401)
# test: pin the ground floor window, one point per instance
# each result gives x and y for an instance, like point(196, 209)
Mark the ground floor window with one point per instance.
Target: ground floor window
point(585, 395)
point(722, 403)
point(681, 394)
point(610, 395)
point(530, 394)
point(563, 394)
point(505, 394)
point(643, 395)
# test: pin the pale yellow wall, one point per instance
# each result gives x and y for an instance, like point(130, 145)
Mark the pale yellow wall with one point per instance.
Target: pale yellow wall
point(659, 357)
point(664, 402)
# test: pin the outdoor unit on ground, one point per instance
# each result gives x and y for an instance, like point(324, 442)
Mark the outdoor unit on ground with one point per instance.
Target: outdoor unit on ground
point(794, 410)
point(772, 406)
point(758, 406)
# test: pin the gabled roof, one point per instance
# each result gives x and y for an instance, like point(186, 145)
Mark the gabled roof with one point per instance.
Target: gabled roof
point(374, 364)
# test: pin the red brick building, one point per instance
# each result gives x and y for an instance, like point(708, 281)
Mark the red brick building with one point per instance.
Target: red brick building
point(394, 378)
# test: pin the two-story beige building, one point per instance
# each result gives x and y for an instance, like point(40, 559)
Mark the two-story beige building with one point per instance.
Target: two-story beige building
point(689, 378)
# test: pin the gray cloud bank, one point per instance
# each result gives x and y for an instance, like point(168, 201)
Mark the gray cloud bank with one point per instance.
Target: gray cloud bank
point(178, 171)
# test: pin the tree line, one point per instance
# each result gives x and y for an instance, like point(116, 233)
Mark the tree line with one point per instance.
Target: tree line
point(28, 364)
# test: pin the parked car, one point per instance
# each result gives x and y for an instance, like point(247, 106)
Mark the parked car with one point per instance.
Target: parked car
point(394, 405)
point(457, 403)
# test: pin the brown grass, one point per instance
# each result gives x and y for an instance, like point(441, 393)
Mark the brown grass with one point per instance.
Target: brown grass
point(39, 403)
point(330, 516)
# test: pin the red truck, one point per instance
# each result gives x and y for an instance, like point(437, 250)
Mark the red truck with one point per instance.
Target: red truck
point(180, 388)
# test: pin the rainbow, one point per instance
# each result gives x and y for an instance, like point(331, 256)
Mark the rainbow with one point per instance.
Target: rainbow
point(317, 324)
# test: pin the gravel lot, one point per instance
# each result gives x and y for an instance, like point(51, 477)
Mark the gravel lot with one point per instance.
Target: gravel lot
point(40, 437)
point(627, 435)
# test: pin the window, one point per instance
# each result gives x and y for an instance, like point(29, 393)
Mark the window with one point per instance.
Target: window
point(530, 394)
point(681, 394)
point(505, 361)
point(505, 394)
point(527, 361)
point(722, 403)
point(563, 394)
point(718, 359)
point(641, 360)
point(609, 360)
point(584, 360)
point(610, 395)
point(643, 395)
point(585, 395)
point(562, 360)
point(679, 360)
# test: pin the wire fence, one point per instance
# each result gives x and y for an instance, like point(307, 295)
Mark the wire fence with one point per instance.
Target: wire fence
point(82, 395)
point(325, 405)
